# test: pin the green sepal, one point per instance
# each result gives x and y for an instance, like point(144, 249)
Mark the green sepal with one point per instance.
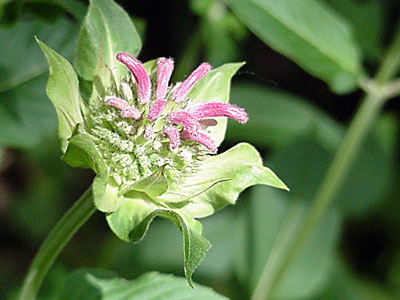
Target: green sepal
point(82, 152)
point(108, 26)
point(219, 180)
point(154, 185)
point(215, 86)
point(63, 91)
point(132, 219)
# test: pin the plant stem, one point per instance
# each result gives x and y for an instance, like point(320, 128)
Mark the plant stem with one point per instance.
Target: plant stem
point(377, 93)
point(61, 234)
point(342, 160)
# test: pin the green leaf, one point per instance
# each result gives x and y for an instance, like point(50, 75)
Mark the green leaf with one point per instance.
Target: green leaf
point(219, 180)
point(77, 286)
point(307, 32)
point(215, 86)
point(109, 27)
point(26, 115)
point(97, 285)
point(365, 184)
point(134, 215)
point(265, 230)
point(369, 34)
point(63, 91)
point(347, 284)
point(277, 118)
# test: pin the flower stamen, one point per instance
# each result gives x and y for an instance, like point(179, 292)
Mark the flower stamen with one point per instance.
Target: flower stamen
point(180, 94)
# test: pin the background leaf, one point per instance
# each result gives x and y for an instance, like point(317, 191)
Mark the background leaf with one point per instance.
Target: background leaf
point(272, 210)
point(368, 34)
point(307, 32)
point(277, 117)
point(26, 114)
point(97, 285)
point(109, 27)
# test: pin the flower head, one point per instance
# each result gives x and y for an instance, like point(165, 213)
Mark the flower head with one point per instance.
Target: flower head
point(142, 126)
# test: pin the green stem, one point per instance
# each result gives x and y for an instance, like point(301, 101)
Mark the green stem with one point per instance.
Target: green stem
point(359, 127)
point(377, 92)
point(55, 242)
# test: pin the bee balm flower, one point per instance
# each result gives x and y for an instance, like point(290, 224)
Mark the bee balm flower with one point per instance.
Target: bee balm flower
point(153, 145)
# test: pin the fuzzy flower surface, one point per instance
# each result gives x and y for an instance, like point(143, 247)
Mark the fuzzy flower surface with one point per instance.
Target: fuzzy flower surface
point(153, 144)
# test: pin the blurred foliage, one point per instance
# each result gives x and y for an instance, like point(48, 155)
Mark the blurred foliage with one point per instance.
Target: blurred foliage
point(353, 254)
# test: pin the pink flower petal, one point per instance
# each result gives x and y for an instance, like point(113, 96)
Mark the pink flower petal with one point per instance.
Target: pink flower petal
point(201, 138)
point(186, 86)
point(127, 111)
point(139, 73)
point(164, 71)
point(186, 120)
point(219, 109)
point(156, 109)
point(173, 134)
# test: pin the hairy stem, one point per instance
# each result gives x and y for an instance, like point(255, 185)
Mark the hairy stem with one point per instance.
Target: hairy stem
point(61, 234)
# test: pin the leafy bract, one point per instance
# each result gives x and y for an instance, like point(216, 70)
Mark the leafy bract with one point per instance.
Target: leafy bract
point(215, 86)
point(63, 91)
point(309, 33)
point(109, 27)
point(218, 181)
point(96, 284)
point(133, 217)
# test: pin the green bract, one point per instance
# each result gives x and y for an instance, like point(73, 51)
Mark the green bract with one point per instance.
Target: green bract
point(141, 177)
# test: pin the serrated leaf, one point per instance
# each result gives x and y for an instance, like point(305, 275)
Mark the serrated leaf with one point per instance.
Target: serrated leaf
point(215, 86)
point(307, 32)
point(63, 91)
point(99, 285)
point(218, 181)
point(132, 219)
point(109, 27)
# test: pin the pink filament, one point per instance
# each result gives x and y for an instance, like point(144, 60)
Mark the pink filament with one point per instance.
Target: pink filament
point(201, 138)
point(156, 109)
point(219, 109)
point(186, 86)
point(164, 71)
point(186, 120)
point(139, 73)
point(173, 134)
point(127, 111)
